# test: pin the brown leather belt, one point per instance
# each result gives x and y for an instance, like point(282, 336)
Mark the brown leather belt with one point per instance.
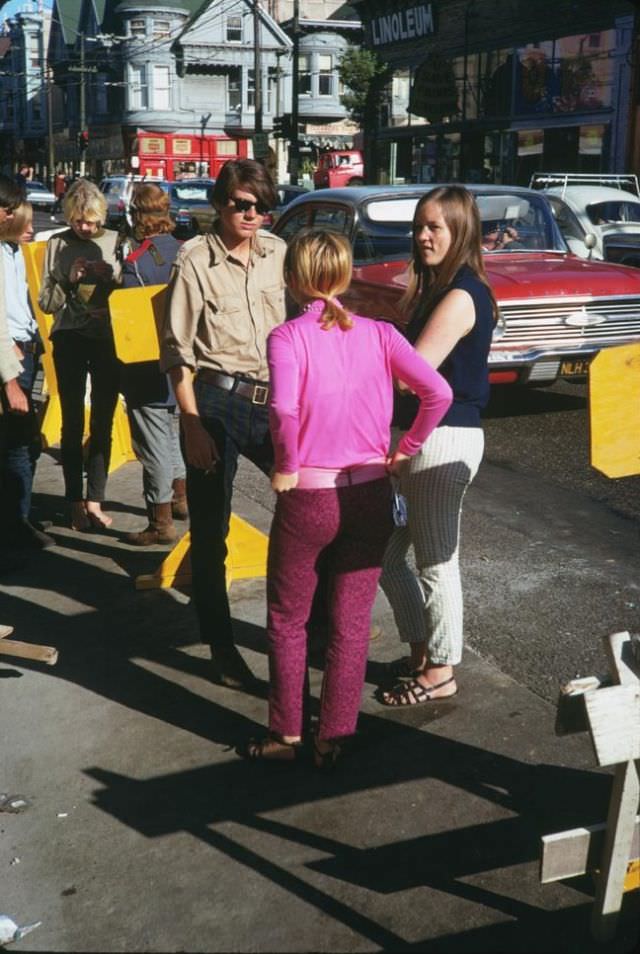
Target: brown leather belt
point(255, 391)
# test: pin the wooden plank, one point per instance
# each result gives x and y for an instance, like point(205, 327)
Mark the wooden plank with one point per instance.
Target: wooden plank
point(617, 849)
point(45, 654)
point(614, 717)
point(614, 383)
point(569, 854)
point(618, 648)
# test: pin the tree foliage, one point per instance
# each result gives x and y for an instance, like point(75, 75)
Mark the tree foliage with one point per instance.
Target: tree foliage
point(364, 76)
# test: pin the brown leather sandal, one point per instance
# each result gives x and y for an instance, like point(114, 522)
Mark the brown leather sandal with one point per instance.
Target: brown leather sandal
point(273, 749)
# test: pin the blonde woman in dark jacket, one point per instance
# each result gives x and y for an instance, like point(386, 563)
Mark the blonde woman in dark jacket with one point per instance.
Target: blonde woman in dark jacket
point(80, 271)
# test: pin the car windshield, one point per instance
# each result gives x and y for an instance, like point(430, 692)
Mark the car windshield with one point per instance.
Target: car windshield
point(190, 194)
point(604, 213)
point(511, 222)
point(35, 187)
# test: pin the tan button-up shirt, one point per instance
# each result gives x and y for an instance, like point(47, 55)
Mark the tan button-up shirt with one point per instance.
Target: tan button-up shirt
point(219, 313)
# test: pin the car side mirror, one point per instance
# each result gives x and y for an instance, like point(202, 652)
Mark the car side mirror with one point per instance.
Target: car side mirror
point(590, 242)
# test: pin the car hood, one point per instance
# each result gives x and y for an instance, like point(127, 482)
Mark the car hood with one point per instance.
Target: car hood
point(520, 276)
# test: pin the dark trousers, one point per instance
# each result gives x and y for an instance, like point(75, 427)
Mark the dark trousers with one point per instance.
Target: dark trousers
point(22, 447)
point(238, 427)
point(350, 526)
point(75, 356)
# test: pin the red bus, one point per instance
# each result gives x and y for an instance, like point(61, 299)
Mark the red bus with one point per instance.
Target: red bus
point(181, 155)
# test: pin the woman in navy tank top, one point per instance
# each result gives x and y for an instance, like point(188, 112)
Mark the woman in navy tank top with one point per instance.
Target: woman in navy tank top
point(452, 316)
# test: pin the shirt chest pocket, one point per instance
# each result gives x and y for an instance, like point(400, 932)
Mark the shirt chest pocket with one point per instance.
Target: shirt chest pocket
point(226, 324)
point(274, 305)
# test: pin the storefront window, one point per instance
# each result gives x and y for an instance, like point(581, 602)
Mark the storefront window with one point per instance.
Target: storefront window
point(565, 75)
point(399, 98)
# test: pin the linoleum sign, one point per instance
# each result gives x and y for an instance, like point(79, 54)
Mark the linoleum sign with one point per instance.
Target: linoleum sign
point(403, 25)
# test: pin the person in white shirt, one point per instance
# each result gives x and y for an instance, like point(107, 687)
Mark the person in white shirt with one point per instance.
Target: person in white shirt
point(23, 442)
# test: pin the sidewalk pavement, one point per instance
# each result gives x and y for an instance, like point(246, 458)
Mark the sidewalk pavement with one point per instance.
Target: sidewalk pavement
point(146, 832)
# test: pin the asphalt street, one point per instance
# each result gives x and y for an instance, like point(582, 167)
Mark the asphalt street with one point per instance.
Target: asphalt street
point(144, 831)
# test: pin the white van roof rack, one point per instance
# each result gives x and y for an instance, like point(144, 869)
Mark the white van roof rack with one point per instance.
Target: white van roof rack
point(546, 179)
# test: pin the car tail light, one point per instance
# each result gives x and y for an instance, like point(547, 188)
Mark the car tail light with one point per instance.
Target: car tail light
point(503, 377)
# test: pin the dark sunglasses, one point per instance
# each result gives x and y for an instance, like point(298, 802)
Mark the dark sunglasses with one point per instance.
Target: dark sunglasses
point(243, 205)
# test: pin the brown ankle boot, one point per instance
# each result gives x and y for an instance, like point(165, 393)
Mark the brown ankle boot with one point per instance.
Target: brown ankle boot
point(179, 508)
point(160, 529)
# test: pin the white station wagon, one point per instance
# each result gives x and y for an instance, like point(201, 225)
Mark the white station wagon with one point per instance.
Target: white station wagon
point(598, 215)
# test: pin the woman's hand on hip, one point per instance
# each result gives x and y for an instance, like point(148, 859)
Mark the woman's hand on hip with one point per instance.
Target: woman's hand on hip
point(395, 463)
point(283, 482)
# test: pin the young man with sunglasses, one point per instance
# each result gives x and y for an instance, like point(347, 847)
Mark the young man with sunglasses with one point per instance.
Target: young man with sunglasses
point(225, 296)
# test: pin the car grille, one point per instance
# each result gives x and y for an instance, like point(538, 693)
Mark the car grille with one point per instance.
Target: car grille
point(531, 323)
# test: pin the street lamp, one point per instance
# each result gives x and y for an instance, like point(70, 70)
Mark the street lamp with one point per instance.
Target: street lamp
point(203, 125)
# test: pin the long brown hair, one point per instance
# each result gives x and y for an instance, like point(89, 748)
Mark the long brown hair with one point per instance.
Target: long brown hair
point(426, 284)
point(150, 211)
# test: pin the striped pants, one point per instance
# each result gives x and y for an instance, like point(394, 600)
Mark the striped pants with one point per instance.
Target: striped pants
point(428, 606)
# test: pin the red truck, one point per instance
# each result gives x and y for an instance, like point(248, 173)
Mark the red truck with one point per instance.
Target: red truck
point(339, 167)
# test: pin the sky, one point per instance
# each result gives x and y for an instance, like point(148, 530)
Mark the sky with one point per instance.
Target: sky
point(15, 6)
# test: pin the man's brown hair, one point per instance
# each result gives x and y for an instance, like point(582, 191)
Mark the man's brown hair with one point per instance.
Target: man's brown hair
point(245, 174)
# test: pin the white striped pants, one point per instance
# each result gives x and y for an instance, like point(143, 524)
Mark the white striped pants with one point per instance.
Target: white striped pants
point(429, 606)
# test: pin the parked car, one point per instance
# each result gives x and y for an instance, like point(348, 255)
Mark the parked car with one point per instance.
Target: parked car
point(604, 207)
point(117, 192)
point(339, 167)
point(286, 194)
point(557, 310)
point(191, 206)
point(39, 196)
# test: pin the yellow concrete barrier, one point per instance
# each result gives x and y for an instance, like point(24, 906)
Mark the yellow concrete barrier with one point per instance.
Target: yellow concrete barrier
point(246, 559)
point(614, 410)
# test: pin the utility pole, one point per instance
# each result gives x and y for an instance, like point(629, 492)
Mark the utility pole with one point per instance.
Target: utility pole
point(82, 70)
point(294, 150)
point(83, 103)
point(52, 160)
point(257, 69)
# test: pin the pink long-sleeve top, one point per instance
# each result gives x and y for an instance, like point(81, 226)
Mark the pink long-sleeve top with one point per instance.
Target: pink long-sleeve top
point(332, 392)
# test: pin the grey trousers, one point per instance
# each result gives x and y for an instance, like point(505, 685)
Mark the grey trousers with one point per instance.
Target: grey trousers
point(428, 606)
point(155, 438)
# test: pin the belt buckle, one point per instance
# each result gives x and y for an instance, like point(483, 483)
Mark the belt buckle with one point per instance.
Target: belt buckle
point(260, 394)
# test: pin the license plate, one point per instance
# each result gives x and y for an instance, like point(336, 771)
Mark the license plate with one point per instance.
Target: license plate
point(574, 368)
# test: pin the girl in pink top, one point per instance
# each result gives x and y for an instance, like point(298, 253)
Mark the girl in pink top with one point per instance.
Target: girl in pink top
point(330, 416)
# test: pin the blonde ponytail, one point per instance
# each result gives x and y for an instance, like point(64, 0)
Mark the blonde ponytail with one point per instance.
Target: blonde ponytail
point(320, 265)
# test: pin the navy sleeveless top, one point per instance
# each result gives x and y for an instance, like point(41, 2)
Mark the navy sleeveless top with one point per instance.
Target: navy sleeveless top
point(466, 367)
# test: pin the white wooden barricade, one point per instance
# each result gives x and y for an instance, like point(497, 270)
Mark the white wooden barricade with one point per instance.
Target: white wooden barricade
point(611, 714)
